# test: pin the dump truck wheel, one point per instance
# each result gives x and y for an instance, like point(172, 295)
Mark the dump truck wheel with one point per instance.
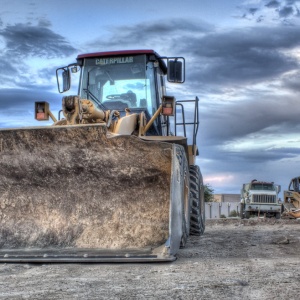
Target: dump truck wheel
point(184, 233)
point(242, 212)
point(247, 214)
point(197, 218)
point(278, 215)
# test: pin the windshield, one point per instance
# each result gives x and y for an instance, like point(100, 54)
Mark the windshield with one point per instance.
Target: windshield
point(119, 82)
point(262, 186)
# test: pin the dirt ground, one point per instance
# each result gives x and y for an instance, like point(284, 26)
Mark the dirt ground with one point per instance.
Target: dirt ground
point(234, 259)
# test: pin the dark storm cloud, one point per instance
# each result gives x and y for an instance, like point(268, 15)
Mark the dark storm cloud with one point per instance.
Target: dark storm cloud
point(149, 33)
point(44, 23)
point(273, 4)
point(12, 76)
point(248, 66)
point(257, 156)
point(45, 74)
point(164, 27)
point(22, 99)
point(262, 116)
point(23, 40)
point(241, 56)
point(286, 152)
point(290, 2)
point(231, 57)
point(7, 69)
point(238, 164)
point(17, 106)
point(223, 126)
point(286, 11)
point(292, 82)
point(252, 11)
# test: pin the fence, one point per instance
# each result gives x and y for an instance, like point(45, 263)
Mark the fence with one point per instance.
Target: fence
point(214, 210)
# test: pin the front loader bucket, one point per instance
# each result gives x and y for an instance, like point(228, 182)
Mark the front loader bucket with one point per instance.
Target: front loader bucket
point(73, 194)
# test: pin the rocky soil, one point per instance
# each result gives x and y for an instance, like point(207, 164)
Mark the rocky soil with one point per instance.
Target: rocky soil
point(234, 259)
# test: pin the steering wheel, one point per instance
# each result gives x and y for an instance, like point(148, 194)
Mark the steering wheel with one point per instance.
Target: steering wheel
point(118, 97)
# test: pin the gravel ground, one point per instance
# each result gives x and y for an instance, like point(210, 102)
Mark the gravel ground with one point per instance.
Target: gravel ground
point(234, 259)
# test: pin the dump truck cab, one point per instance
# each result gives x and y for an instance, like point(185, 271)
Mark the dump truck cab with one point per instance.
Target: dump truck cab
point(259, 198)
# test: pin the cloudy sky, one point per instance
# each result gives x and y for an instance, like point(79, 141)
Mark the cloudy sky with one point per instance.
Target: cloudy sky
point(242, 61)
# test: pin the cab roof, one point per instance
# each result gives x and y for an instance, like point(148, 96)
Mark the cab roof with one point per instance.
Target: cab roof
point(254, 181)
point(117, 53)
point(125, 53)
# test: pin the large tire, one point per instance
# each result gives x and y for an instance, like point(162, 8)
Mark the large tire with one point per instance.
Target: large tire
point(247, 214)
point(185, 211)
point(184, 234)
point(242, 211)
point(197, 217)
point(185, 197)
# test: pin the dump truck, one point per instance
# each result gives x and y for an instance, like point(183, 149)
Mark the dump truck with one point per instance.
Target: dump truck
point(114, 178)
point(291, 199)
point(260, 198)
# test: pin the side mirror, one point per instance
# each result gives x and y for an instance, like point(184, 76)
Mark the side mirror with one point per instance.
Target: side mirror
point(278, 189)
point(63, 79)
point(176, 70)
point(244, 188)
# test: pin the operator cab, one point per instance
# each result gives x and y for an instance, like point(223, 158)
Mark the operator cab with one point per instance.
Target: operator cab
point(121, 80)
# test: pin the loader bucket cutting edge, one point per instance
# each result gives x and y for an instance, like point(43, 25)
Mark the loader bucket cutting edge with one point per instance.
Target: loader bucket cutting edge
point(74, 194)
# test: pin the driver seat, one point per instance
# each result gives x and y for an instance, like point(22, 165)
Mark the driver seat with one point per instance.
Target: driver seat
point(132, 98)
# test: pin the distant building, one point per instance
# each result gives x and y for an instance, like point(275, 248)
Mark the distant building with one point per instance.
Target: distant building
point(227, 197)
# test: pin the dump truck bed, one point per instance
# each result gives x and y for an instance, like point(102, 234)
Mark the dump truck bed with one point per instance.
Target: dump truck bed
point(74, 193)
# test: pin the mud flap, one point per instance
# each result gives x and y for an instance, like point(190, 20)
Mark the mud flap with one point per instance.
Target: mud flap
point(74, 194)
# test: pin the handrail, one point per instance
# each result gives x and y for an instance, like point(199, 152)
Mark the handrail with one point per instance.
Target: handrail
point(195, 122)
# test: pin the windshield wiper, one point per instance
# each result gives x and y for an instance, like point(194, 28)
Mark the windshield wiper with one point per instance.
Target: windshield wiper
point(109, 77)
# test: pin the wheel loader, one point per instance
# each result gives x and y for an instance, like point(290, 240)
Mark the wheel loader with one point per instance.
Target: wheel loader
point(291, 199)
point(114, 178)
